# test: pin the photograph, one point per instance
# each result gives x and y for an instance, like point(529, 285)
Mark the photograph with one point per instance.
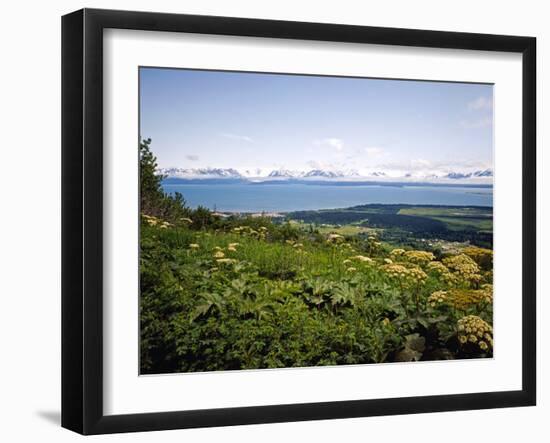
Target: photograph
point(292, 220)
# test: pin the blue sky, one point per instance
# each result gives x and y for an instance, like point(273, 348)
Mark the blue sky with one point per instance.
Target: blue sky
point(200, 119)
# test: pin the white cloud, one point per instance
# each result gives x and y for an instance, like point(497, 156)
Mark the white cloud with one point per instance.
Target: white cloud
point(333, 142)
point(479, 123)
point(420, 163)
point(481, 103)
point(422, 167)
point(192, 157)
point(243, 138)
point(373, 151)
point(326, 165)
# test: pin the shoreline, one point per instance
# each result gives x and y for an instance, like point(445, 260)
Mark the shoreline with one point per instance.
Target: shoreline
point(280, 214)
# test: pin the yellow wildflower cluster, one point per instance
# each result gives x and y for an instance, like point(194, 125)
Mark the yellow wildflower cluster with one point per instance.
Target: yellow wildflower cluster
point(463, 267)
point(219, 254)
point(373, 245)
point(437, 298)
point(150, 220)
point(396, 254)
point(438, 268)
point(407, 276)
point(226, 261)
point(194, 246)
point(483, 257)
point(232, 247)
point(362, 259)
point(261, 233)
point(351, 269)
point(488, 288)
point(462, 299)
point(335, 238)
point(442, 272)
point(421, 258)
point(154, 221)
point(475, 331)
point(294, 244)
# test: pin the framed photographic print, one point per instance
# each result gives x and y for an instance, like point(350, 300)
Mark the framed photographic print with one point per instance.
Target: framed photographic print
point(269, 221)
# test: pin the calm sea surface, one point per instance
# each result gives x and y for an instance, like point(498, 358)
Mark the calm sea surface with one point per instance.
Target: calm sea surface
point(293, 197)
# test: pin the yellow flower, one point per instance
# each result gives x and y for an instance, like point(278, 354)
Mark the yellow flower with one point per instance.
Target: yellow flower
point(351, 269)
point(483, 257)
point(219, 254)
point(475, 331)
point(395, 253)
point(421, 258)
point(437, 297)
point(463, 299)
point(362, 258)
point(463, 268)
point(226, 260)
point(335, 238)
point(231, 248)
point(193, 246)
point(410, 276)
point(438, 268)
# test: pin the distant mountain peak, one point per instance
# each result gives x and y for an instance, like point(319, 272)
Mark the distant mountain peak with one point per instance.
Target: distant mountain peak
point(484, 173)
point(282, 174)
point(324, 173)
point(460, 175)
point(192, 173)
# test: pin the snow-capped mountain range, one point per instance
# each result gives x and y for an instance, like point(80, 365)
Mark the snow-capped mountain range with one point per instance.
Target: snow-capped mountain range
point(259, 175)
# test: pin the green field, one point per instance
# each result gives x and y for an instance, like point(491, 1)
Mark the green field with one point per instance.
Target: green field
point(405, 223)
point(456, 219)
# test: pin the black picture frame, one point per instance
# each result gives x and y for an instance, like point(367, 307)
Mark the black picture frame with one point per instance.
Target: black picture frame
point(82, 218)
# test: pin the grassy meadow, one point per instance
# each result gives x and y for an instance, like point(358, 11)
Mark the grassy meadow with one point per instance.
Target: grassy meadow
point(247, 293)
